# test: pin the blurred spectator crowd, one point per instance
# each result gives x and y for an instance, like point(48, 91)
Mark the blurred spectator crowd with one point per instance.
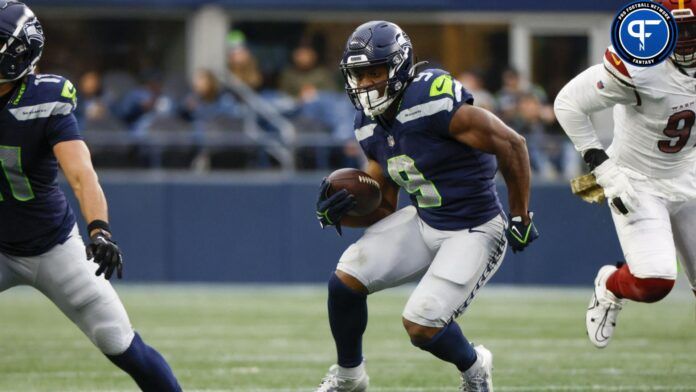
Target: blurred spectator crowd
point(145, 121)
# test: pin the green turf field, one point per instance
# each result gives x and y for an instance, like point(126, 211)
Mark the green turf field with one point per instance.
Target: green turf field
point(221, 338)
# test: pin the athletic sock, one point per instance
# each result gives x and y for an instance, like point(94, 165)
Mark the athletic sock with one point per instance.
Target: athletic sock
point(352, 372)
point(147, 367)
point(451, 345)
point(348, 320)
point(624, 285)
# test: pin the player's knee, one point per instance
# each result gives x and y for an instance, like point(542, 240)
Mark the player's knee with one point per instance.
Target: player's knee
point(112, 339)
point(653, 289)
point(340, 281)
point(426, 309)
point(420, 335)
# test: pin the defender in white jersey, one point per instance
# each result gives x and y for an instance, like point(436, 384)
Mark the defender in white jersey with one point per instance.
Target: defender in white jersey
point(648, 174)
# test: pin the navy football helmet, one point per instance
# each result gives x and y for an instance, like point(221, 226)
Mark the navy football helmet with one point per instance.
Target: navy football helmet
point(21, 40)
point(376, 43)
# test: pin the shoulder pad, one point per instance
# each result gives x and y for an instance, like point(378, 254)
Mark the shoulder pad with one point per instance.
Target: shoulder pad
point(42, 96)
point(617, 68)
point(432, 84)
point(55, 87)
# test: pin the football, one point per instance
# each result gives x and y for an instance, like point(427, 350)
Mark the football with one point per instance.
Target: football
point(358, 183)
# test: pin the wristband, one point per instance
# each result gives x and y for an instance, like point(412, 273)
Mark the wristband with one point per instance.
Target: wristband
point(595, 157)
point(98, 224)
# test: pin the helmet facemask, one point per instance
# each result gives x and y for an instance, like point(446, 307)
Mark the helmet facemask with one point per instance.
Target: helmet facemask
point(11, 58)
point(21, 50)
point(377, 44)
point(685, 52)
point(376, 98)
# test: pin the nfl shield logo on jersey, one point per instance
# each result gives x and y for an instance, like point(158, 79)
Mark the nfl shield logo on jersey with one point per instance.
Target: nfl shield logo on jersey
point(644, 33)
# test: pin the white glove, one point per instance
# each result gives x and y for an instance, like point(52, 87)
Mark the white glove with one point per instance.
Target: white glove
point(617, 187)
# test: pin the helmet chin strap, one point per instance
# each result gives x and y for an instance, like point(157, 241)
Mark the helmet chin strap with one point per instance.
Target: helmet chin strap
point(378, 109)
point(373, 104)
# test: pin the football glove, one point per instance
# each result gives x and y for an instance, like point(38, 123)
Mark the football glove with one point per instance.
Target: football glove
point(331, 209)
point(104, 251)
point(518, 234)
point(615, 183)
point(617, 187)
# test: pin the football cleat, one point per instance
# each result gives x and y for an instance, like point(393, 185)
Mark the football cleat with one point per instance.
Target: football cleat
point(334, 381)
point(603, 310)
point(479, 378)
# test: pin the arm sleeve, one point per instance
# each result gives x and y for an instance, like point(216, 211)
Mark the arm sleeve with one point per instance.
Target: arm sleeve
point(591, 91)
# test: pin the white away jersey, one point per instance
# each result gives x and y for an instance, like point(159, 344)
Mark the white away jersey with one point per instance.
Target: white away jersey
point(654, 116)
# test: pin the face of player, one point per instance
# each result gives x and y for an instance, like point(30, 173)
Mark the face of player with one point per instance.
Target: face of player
point(370, 86)
point(371, 78)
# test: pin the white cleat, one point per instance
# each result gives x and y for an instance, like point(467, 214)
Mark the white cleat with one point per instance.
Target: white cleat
point(603, 310)
point(479, 377)
point(345, 380)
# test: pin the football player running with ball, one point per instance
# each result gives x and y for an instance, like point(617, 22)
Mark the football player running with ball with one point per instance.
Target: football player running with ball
point(40, 245)
point(421, 133)
point(648, 174)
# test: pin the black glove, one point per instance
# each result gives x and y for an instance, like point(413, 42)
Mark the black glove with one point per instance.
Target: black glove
point(106, 253)
point(331, 209)
point(518, 234)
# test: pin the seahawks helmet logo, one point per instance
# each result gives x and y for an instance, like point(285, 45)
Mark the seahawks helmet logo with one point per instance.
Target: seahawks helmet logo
point(33, 31)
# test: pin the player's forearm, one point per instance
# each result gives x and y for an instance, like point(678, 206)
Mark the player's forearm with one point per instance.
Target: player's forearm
point(514, 166)
point(91, 197)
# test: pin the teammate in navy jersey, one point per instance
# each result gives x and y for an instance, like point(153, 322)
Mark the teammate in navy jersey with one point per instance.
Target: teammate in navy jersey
point(40, 244)
point(420, 132)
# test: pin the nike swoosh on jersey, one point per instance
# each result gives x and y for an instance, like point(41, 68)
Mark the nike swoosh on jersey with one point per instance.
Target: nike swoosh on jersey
point(617, 61)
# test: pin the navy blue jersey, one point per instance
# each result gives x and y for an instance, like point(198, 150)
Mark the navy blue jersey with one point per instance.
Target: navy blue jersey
point(34, 213)
point(451, 184)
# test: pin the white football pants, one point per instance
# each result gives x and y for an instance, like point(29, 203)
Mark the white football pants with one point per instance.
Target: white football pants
point(64, 275)
point(452, 265)
point(662, 230)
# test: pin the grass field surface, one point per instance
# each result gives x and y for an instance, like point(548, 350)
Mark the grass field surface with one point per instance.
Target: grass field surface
point(258, 338)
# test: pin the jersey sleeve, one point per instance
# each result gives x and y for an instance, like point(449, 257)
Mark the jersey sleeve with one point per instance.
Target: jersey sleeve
point(593, 90)
point(363, 132)
point(62, 124)
point(441, 97)
point(618, 70)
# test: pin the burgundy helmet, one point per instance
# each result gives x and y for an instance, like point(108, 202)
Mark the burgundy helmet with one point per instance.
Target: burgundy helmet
point(684, 12)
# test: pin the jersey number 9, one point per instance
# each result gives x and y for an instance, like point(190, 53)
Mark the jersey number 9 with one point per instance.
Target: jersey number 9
point(402, 169)
point(678, 125)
